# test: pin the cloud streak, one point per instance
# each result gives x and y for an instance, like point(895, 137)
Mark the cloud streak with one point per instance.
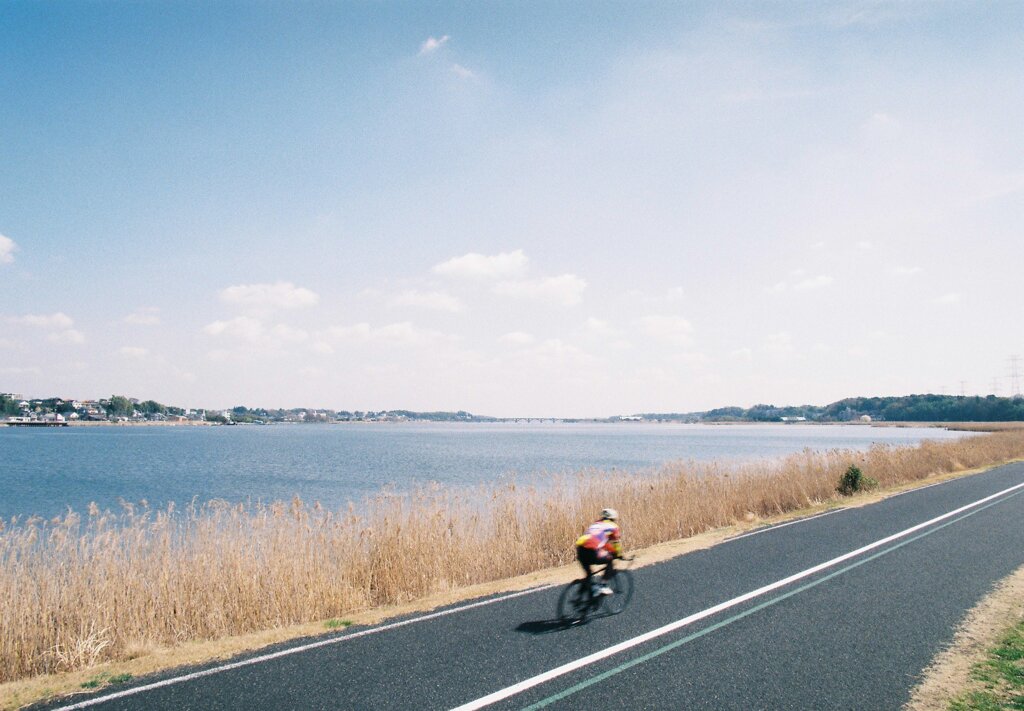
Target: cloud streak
point(479, 266)
point(279, 295)
point(431, 300)
point(145, 316)
point(432, 44)
point(566, 289)
point(7, 249)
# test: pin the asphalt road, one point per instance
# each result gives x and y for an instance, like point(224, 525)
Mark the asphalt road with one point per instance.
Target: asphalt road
point(851, 634)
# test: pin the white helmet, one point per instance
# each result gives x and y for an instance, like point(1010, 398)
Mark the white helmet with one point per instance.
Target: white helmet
point(609, 514)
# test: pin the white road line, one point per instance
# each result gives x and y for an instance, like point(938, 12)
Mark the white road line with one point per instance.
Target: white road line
point(920, 488)
point(673, 626)
point(769, 529)
point(294, 650)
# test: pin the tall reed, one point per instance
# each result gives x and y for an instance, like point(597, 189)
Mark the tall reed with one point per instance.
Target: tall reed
point(81, 589)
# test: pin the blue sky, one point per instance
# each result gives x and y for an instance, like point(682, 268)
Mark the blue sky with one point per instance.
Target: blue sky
point(516, 208)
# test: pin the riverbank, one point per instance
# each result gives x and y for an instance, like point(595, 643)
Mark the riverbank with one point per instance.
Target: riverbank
point(191, 580)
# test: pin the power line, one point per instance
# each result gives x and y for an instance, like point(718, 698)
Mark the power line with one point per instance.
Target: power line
point(1015, 375)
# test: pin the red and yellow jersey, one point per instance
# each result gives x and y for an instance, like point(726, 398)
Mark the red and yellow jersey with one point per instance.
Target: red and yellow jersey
point(602, 535)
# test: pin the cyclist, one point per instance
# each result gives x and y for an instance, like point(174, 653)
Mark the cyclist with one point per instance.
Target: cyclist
point(602, 543)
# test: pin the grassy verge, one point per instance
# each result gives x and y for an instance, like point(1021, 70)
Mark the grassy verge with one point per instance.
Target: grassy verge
point(1001, 675)
point(960, 675)
point(104, 593)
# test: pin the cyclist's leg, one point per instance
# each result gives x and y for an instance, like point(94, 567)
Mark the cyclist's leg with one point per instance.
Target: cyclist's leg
point(585, 561)
point(606, 561)
point(589, 559)
point(609, 568)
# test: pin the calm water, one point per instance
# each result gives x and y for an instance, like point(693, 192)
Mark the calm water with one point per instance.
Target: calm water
point(46, 470)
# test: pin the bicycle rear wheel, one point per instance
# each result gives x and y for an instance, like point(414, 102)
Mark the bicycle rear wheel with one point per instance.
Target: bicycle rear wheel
point(574, 603)
point(621, 582)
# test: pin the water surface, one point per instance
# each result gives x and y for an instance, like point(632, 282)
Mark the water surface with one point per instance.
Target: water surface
point(44, 470)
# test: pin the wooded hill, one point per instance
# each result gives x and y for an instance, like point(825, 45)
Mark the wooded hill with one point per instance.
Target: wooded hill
point(906, 408)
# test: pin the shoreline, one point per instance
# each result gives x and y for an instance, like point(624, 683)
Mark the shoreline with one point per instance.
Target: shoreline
point(980, 426)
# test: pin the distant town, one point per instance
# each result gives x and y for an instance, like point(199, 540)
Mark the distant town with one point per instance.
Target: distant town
point(15, 410)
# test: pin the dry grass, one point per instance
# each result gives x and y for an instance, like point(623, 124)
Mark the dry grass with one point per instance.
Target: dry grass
point(959, 426)
point(985, 426)
point(77, 591)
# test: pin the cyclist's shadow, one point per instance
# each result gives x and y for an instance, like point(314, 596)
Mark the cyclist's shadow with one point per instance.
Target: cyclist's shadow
point(537, 627)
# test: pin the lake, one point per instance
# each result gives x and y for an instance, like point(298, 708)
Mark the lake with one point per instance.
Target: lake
point(44, 471)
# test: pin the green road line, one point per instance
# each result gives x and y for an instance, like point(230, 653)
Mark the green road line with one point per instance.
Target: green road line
point(746, 613)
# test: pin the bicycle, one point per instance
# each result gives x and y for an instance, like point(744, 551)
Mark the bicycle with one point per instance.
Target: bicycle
point(577, 603)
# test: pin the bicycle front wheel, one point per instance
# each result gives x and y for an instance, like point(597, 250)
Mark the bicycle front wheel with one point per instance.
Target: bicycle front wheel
point(573, 603)
point(621, 583)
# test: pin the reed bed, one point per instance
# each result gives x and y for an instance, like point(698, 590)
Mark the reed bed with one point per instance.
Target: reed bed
point(82, 589)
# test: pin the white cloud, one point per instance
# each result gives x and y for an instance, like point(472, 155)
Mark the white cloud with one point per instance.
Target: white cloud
point(906, 271)
point(555, 352)
point(59, 324)
point(242, 327)
point(881, 122)
point(462, 72)
point(405, 334)
point(268, 340)
point(741, 354)
point(280, 295)
point(504, 265)
point(599, 327)
point(691, 359)
point(778, 344)
point(432, 44)
point(672, 295)
point(68, 336)
point(950, 298)
point(56, 320)
point(285, 332)
point(814, 282)
point(675, 329)
point(566, 289)
point(357, 332)
point(401, 334)
point(145, 316)
point(7, 249)
point(434, 300)
point(864, 244)
point(517, 338)
point(133, 351)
